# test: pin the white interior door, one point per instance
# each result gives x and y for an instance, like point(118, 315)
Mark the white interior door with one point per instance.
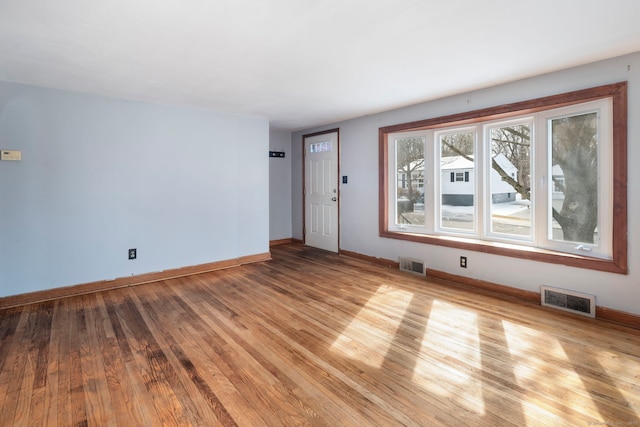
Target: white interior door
point(321, 191)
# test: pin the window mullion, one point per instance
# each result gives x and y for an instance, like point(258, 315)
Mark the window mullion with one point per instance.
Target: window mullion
point(483, 171)
point(430, 182)
point(540, 188)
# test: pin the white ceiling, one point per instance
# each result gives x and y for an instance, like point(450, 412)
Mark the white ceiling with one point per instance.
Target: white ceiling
point(302, 63)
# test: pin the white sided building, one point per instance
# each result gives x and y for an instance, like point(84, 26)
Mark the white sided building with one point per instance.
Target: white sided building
point(458, 181)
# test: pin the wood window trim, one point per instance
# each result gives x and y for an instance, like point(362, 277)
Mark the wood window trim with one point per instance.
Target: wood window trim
point(618, 94)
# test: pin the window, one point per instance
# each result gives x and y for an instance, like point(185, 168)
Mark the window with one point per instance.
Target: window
point(543, 179)
point(460, 176)
point(409, 160)
point(321, 147)
point(510, 178)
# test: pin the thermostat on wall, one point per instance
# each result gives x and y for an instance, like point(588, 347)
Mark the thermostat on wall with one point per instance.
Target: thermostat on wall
point(11, 155)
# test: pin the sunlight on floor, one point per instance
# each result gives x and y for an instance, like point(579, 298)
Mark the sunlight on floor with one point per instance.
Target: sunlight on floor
point(370, 345)
point(622, 372)
point(546, 388)
point(534, 374)
point(449, 355)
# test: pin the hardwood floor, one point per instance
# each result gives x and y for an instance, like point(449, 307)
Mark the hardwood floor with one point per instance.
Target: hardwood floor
point(311, 338)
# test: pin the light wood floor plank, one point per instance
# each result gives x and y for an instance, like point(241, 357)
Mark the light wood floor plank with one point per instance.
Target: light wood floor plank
point(311, 338)
point(68, 319)
point(288, 381)
point(150, 361)
point(200, 358)
point(100, 409)
point(238, 368)
point(130, 373)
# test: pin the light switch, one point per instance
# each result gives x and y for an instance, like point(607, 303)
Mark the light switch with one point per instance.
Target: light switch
point(11, 155)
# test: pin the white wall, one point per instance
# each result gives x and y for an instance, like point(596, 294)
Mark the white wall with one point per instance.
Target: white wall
point(359, 198)
point(280, 186)
point(99, 176)
point(457, 187)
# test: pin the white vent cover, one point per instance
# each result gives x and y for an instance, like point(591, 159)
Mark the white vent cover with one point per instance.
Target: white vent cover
point(413, 265)
point(574, 302)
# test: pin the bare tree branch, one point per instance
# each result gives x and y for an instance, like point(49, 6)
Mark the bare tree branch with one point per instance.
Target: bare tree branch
point(515, 132)
point(524, 192)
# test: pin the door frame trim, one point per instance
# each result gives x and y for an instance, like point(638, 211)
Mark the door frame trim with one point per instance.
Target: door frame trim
point(304, 177)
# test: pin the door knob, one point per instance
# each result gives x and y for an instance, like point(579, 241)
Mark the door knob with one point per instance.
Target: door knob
point(334, 199)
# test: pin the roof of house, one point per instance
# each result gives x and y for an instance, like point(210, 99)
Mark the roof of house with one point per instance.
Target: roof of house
point(455, 162)
point(460, 162)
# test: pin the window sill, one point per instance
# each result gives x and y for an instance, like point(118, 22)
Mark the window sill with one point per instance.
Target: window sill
point(514, 251)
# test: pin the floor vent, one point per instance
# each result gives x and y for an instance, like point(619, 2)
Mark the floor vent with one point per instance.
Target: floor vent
point(573, 302)
point(412, 266)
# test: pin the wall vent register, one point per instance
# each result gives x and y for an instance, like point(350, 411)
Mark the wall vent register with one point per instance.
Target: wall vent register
point(413, 266)
point(570, 301)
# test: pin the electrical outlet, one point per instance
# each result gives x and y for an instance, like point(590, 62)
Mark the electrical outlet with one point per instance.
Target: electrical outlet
point(463, 261)
point(133, 253)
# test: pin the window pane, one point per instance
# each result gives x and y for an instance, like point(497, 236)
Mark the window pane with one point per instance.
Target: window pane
point(510, 180)
point(410, 180)
point(320, 147)
point(457, 183)
point(574, 183)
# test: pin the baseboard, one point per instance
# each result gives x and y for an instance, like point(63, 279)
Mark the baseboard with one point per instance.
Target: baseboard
point(122, 282)
point(602, 313)
point(619, 317)
point(485, 286)
point(371, 259)
point(280, 242)
point(249, 259)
